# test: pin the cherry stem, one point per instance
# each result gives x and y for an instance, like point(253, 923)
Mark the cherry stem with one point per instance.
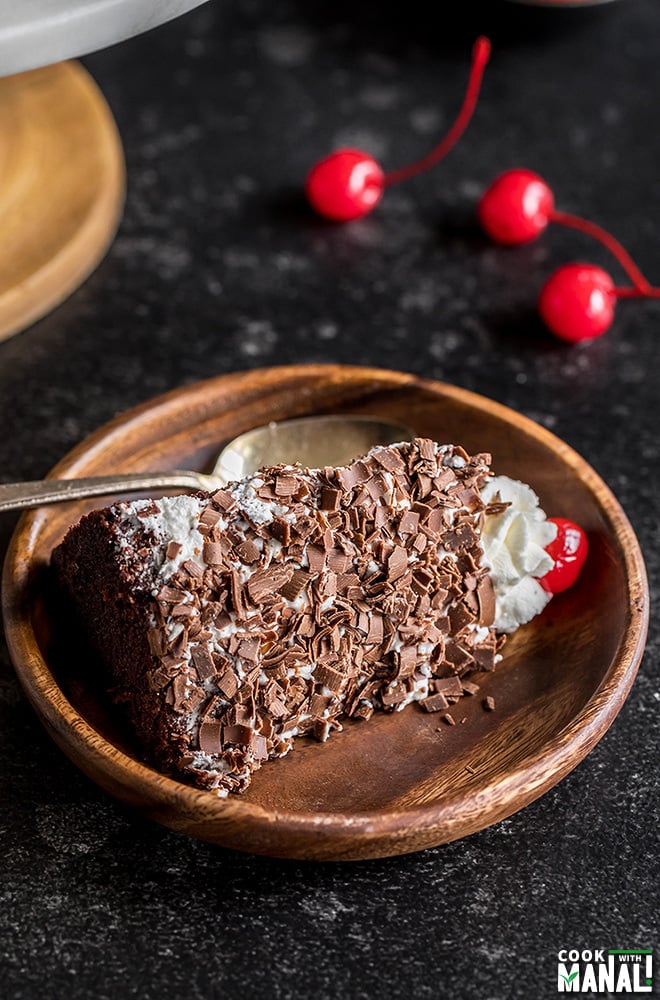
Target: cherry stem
point(636, 293)
point(642, 288)
point(480, 57)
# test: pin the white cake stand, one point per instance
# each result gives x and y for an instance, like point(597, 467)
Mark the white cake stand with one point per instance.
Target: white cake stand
point(61, 160)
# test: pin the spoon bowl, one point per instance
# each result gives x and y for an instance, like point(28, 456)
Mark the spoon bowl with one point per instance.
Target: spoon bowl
point(310, 441)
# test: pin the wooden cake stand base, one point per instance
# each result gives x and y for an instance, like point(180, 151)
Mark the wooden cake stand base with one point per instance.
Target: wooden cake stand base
point(62, 185)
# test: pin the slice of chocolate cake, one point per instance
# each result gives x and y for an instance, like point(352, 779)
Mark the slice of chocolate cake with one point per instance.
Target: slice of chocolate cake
point(231, 623)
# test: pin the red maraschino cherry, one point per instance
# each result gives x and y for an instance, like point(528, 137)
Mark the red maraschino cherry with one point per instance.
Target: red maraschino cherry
point(578, 300)
point(569, 550)
point(345, 185)
point(516, 207)
point(349, 183)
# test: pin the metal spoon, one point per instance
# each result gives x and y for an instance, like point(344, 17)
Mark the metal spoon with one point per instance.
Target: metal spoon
point(312, 441)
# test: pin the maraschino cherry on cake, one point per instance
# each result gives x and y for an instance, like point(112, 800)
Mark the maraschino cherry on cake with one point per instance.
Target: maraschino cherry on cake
point(229, 624)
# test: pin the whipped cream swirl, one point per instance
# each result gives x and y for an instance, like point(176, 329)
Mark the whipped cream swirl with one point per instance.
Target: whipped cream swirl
point(514, 549)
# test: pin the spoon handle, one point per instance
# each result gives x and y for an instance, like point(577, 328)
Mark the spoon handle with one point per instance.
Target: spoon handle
point(20, 496)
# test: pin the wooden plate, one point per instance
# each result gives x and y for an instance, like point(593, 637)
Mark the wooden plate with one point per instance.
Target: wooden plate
point(401, 782)
point(61, 188)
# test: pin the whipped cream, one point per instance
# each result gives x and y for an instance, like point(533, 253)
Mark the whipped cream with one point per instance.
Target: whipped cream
point(166, 519)
point(514, 550)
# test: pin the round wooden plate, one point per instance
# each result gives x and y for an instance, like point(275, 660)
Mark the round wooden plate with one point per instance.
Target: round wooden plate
point(400, 782)
point(61, 188)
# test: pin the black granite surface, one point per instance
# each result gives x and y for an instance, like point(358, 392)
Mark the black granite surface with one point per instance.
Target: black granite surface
point(215, 268)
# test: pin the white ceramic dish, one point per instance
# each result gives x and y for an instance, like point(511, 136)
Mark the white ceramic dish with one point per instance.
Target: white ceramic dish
point(40, 32)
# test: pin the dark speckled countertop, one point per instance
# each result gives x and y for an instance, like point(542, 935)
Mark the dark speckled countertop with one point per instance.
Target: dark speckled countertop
point(216, 268)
